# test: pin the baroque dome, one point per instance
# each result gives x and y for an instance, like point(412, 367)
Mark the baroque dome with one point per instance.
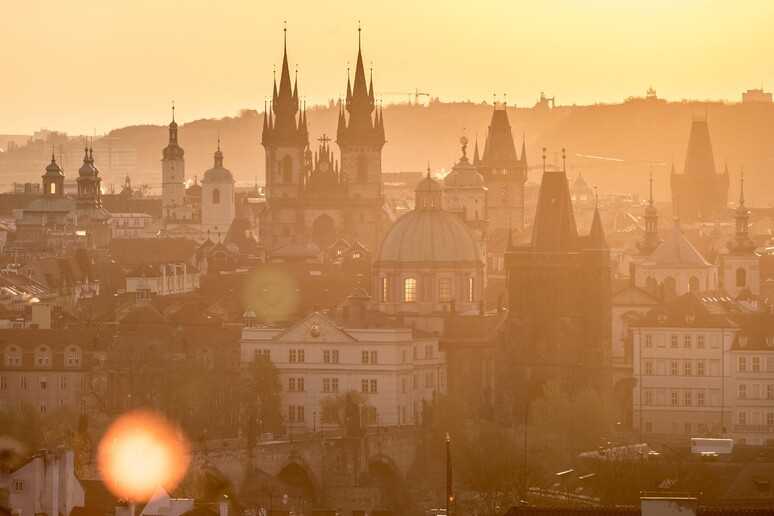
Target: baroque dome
point(218, 174)
point(429, 236)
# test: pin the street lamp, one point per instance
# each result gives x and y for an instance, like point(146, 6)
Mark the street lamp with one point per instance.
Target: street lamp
point(449, 479)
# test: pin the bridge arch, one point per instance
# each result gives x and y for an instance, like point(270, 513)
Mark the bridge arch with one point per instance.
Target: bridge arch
point(300, 480)
point(383, 473)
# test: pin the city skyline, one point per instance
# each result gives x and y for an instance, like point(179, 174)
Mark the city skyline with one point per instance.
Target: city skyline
point(121, 66)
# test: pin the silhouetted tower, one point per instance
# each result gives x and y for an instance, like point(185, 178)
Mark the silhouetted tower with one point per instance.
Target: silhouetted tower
point(172, 173)
point(699, 193)
point(89, 182)
point(504, 173)
point(285, 138)
point(559, 291)
point(53, 179)
point(740, 267)
point(650, 239)
point(360, 136)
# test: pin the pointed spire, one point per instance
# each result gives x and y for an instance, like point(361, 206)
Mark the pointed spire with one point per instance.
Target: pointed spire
point(476, 158)
point(274, 92)
point(524, 148)
point(295, 86)
point(596, 238)
point(371, 84)
point(349, 86)
point(218, 155)
point(359, 89)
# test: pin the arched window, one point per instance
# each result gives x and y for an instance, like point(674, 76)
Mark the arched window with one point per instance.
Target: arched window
point(216, 196)
point(741, 277)
point(471, 290)
point(410, 290)
point(72, 357)
point(362, 169)
point(43, 356)
point(287, 169)
point(52, 188)
point(693, 284)
point(13, 357)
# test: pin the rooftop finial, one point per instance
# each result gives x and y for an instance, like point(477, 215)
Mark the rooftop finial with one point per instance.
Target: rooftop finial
point(596, 197)
point(285, 34)
point(544, 159)
point(428, 170)
point(218, 141)
point(564, 160)
point(464, 144)
point(173, 110)
point(650, 181)
point(741, 187)
point(359, 29)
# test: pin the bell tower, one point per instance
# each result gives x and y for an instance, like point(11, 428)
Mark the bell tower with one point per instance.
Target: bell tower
point(285, 138)
point(172, 174)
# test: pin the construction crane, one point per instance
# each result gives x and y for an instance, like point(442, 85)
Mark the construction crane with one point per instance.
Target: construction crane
point(415, 94)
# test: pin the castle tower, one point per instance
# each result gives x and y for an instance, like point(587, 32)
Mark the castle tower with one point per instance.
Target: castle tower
point(172, 174)
point(650, 239)
point(739, 267)
point(53, 179)
point(285, 138)
point(504, 173)
point(699, 193)
point(89, 182)
point(360, 137)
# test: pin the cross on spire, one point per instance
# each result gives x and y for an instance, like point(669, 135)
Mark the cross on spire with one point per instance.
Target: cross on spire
point(173, 110)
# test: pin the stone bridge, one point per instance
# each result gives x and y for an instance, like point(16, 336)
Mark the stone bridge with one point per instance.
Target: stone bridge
point(317, 470)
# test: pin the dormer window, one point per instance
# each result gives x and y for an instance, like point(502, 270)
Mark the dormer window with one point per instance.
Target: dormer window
point(43, 357)
point(13, 357)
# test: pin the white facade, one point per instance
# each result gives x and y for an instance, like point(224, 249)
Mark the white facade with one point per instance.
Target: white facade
point(218, 205)
point(740, 272)
point(132, 225)
point(163, 280)
point(45, 485)
point(391, 368)
point(703, 381)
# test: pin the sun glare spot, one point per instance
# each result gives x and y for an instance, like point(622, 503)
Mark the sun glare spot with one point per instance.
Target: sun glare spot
point(140, 452)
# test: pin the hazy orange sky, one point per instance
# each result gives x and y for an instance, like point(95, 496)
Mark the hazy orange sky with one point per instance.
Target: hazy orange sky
point(80, 65)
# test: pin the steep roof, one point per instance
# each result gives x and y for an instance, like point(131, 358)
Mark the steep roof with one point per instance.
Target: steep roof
point(699, 159)
point(499, 150)
point(554, 227)
point(677, 251)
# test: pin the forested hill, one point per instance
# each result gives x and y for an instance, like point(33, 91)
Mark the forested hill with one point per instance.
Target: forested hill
point(628, 135)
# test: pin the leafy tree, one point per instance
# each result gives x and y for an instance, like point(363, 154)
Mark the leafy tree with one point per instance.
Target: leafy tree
point(262, 408)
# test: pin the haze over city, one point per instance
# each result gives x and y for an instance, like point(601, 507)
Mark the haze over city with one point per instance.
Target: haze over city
point(96, 66)
point(359, 259)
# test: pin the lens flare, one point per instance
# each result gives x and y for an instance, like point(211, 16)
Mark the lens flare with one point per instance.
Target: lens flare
point(140, 452)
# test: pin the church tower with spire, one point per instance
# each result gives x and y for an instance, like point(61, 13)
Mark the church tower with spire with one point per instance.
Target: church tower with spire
point(740, 265)
point(360, 137)
point(650, 239)
point(285, 139)
point(173, 176)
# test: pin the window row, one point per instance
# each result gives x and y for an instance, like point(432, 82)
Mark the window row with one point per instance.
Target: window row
point(697, 367)
point(677, 398)
point(685, 341)
point(755, 391)
point(43, 357)
point(754, 364)
point(410, 292)
point(43, 383)
point(744, 417)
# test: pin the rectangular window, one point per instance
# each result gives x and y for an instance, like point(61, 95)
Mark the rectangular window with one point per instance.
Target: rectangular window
point(300, 413)
point(292, 356)
point(648, 368)
point(428, 351)
point(675, 399)
point(334, 385)
point(700, 341)
point(23, 383)
point(770, 391)
point(364, 386)
point(701, 367)
point(373, 386)
point(688, 368)
point(648, 398)
point(326, 385)
point(687, 341)
point(674, 341)
point(687, 399)
point(471, 290)
point(385, 290)
point(770, 419)
point(756, 364)
point(300, 384)
point(741, 391)
point(675, 368)
point(403, 385)
point(291, 384)
point(648, 427)
point(364, 357)
point(326, 357)
point(700, 399)
point(648, 341)
point(18, 485)
point(742, 364)
point(409, 290)
point(335, 356)
point(301, 355)
point(3, 383)
point(742, 418)
point(374, 357)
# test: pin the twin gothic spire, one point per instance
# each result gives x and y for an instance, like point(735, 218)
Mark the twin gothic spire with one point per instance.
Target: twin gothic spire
point(285, 121)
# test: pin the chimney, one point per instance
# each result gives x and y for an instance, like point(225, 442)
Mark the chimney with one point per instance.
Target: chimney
point(668, 506)
point(223, 506)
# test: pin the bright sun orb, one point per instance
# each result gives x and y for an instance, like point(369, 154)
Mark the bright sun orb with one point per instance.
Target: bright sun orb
point(140, 452)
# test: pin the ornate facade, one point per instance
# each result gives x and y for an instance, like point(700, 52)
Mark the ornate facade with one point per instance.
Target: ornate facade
point(309, 196)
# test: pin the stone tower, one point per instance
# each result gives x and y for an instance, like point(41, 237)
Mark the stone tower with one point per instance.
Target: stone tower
point(172, 175)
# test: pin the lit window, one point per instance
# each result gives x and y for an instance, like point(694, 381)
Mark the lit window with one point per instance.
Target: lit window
point(410, 290)
point(385, 289)
point(471, 290)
